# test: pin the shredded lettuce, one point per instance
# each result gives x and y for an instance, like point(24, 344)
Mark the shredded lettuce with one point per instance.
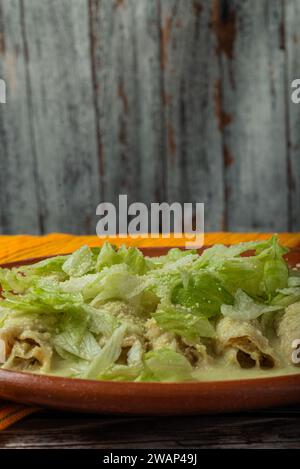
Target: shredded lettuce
point(202, 294)
point(118, 284)
point(121, 373)
point(294, 282)
point(108, 355)
point(79, 263)
point(43, 301)
point(85, 347)
point(185, 324)
point(259, 275)
point(245, 308)
point(132, 257)
point(166, 365)
point(12, 280)
point(276, 271)
point(286, 297)
point(101, 322)
point(215, 256)
point(48, 266)
point(91, 309)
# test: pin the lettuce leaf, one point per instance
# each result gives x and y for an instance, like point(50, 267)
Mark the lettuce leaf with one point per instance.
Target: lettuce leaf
point(182, 323)
point(79, 263)
point(134, 259)
point(215, 256)
point(117, 284)
point(108, 355)
point(19, 279)
point(131, 256)
point(86, 285)
point(162, 280)
point(294, 282)
point(204, 294)
point(245, 273)
point(51, 265)
point(259, 275)
point(276, 270)
point(107, 257)
point(13, 280)
point(135, 354)
point(166, 365)
point(286, 296)
point(245, 308)
point(101, 322)
point(85, 346)
point(175, 253)
point(38, 300)
point(121, 373)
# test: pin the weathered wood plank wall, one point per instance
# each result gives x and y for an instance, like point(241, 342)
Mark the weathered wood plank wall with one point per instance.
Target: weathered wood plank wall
point(176, 100)
point(292, 67)
point(18, 199)
point(62, 113)
point(193, 134)
point(253, 97)
point(127, 85)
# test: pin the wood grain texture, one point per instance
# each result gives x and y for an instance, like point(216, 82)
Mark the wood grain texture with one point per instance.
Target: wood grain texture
point(292, 44)
point(128, 97)
point(18, 199)
point(277, 428)
point(170, 100)
point(62, 112)
point(252, 60)
point(193, 140)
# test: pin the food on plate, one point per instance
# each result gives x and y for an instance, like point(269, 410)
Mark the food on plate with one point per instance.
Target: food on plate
point(115, 314)
point(289, 329)
point(248, 346)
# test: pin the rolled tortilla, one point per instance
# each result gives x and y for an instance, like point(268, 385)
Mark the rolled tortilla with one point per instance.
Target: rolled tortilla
point(289, 330)
point(242, 342)
point(196, 354)
point(25, 349)
point(156, 339)
point(2, 351)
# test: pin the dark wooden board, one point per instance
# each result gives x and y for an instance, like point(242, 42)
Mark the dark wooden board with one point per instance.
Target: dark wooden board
point(277, 428)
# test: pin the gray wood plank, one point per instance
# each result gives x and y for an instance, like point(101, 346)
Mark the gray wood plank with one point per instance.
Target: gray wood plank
point(193, 139)
point(63, 114)
point(19, 210)
point(128, 91)
point(252, 59)
point(292, 43)
point(159, 99)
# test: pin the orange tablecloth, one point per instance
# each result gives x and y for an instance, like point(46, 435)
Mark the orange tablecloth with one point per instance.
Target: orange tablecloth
point(23, 246)
point(20, 247)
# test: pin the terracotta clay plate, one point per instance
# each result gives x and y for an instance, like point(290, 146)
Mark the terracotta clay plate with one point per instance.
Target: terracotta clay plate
point(150, 398)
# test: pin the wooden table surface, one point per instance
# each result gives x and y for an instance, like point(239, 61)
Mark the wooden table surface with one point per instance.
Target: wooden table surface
point(272, 428)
